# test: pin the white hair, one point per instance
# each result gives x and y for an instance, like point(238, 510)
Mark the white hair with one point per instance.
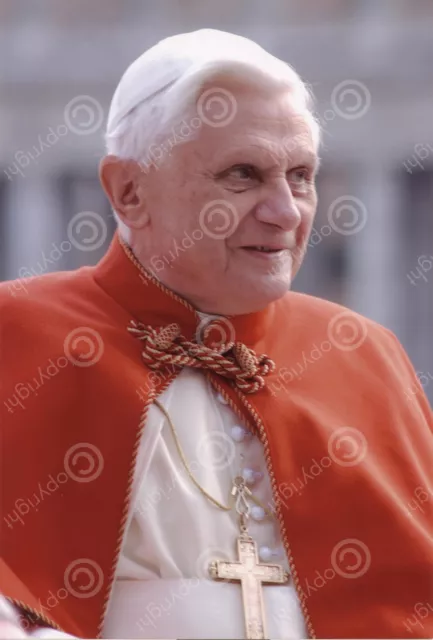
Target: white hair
point(160, 90)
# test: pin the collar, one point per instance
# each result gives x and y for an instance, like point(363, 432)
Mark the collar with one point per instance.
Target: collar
point(150, 302)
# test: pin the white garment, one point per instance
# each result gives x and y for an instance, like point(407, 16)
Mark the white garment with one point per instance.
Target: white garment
point(162, 587)
point(10, 626)
point(51, 634)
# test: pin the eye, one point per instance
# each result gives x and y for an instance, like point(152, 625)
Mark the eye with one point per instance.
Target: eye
point(300, 179)
point(243, 172)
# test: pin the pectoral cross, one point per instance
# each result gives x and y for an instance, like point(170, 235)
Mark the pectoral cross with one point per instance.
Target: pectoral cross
point(252, 575)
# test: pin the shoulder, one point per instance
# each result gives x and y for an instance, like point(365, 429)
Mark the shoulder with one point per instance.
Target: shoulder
point(41, 300)
point(49, 324)
point(38, 313)
point(312, 316)
point(360, 348)
point(355, 341)
point(40, 289)
point(33, 311)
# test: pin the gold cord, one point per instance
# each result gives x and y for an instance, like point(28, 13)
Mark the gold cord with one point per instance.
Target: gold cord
point(185, 463)
point(191, 476)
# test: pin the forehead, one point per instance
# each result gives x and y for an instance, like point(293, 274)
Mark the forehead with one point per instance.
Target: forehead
point(268, 120)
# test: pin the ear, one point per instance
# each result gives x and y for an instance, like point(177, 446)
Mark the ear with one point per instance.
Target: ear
point(123, 182)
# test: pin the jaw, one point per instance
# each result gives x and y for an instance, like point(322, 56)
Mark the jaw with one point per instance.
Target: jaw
point(235, 284)
point(257, 289)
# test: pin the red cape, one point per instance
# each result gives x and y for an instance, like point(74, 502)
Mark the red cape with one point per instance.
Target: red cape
point(346, 427)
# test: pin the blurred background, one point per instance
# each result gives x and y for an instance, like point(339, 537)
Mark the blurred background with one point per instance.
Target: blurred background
point(370, 66)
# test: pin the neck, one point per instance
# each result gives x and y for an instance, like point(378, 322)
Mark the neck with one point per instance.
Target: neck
point(148, 300)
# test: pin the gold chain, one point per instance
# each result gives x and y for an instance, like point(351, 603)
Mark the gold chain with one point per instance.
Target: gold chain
point(191, 476)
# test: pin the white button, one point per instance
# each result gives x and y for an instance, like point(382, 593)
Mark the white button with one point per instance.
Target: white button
point(221, 399)
point(257, 513)
point(238, 433)
point(266, 553)
point(249, 475)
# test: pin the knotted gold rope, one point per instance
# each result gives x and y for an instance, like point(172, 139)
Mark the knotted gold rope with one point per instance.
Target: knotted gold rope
point(166, 346)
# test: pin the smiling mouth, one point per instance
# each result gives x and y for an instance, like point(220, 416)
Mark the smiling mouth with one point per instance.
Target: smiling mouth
point(266, 250)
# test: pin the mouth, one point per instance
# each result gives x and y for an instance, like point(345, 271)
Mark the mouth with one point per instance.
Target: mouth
point(268, 252)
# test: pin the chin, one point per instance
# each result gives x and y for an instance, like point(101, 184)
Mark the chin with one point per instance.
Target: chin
point(279, 288)
point(263, 291)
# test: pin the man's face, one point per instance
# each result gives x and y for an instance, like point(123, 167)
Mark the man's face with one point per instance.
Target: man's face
point(231, 212)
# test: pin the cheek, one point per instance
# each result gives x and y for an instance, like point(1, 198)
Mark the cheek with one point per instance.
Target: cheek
point(208, 250)
point(307, 223)
point(196, 253)
point(303, 233)
point(174, 218)
point(241, 214)
point(219, 217)
point(308, 213)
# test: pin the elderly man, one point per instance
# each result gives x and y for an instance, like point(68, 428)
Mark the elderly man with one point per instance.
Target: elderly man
point(174, 476)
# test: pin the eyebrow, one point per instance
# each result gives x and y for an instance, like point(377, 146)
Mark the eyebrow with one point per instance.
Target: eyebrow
point(311, 158)
point(299, 151)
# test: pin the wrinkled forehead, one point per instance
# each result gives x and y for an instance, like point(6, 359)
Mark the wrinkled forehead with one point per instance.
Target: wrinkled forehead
point(249, 117)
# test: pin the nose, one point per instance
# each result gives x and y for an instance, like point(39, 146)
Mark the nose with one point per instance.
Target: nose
point(280, 209)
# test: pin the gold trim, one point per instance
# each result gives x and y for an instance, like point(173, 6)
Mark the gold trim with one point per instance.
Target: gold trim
point(152, 396)
point(35, 614)
point(129, 490)
point(259, 429)
point(130, 255)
